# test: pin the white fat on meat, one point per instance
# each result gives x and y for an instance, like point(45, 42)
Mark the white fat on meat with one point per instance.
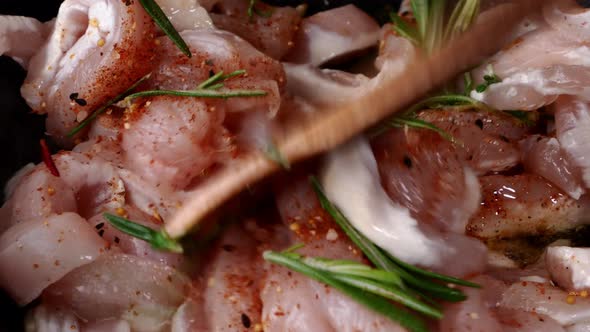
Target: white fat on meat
point(572, 120)
point(43, 318)
point(39, 252)
point(95, 51)
point(351, 181)
point(333, 34)
point(117, 286)
point(569, 267)
point(16, 29)
point(186, 14)
point(109, 325)
point(540, 65)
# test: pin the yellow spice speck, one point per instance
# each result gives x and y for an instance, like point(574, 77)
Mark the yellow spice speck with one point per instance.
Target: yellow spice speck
point(93, 22)
point(294, 227)
point(584, 293)
point(258, 327)
point(121, 211)
point(50, 191)
point(570, 299)
point(100, 42)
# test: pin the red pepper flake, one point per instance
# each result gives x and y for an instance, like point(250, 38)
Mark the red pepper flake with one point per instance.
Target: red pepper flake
point(46, 156)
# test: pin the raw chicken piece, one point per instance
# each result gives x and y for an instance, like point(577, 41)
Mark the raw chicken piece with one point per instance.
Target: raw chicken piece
point(524, 205)
point(132, 245)
point(333, 35)
point(231, 300)
point(393, 48)
point(572, 120)
point(547, 300)
point(480, 312)
point(159, 203)
point(39, 194)
point(86, 185)
point(16, 29)
point(544, 156)
point(37, 253)
point(486, 140)
point(171, 140)
point(543, 63)
point(423, 172)
point(96, 50)
point(142, 292)
point(569, 267)
point(189, 317)
point(269, 29)
point(186, 14)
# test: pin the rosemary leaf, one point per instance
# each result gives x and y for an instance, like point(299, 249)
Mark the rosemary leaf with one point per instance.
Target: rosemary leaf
point(373, 253)
point(200, 93)
point(234, 73)
point(464, 14)
point(445, 100)
point(434, 30)
point(467, 83)
point(354, 269)
point(106, 106)
point(211, 80)
point(403, 29)
point(158, 239)
point(420, 9)
point(489, 79)
point(391, 293)
point(421, 124)
point(253, 10)
point(431, 274)
point(371, 301)
point(273, 153)
point(156, 13)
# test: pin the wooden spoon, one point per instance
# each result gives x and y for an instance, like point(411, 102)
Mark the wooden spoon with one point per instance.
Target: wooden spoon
point(335, 124)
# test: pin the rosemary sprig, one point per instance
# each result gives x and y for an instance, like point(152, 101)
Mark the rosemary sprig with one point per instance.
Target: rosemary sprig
point(467, 83)
point(446, 100)
point(273, 153)
point(216, 80)
point(108, 104)
point(401, 122)
point(376, 303)
point(392, 278)
point(200, 93)
point(158, 239)
point(431, 30)
point(159, 17)
point(463, 16)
